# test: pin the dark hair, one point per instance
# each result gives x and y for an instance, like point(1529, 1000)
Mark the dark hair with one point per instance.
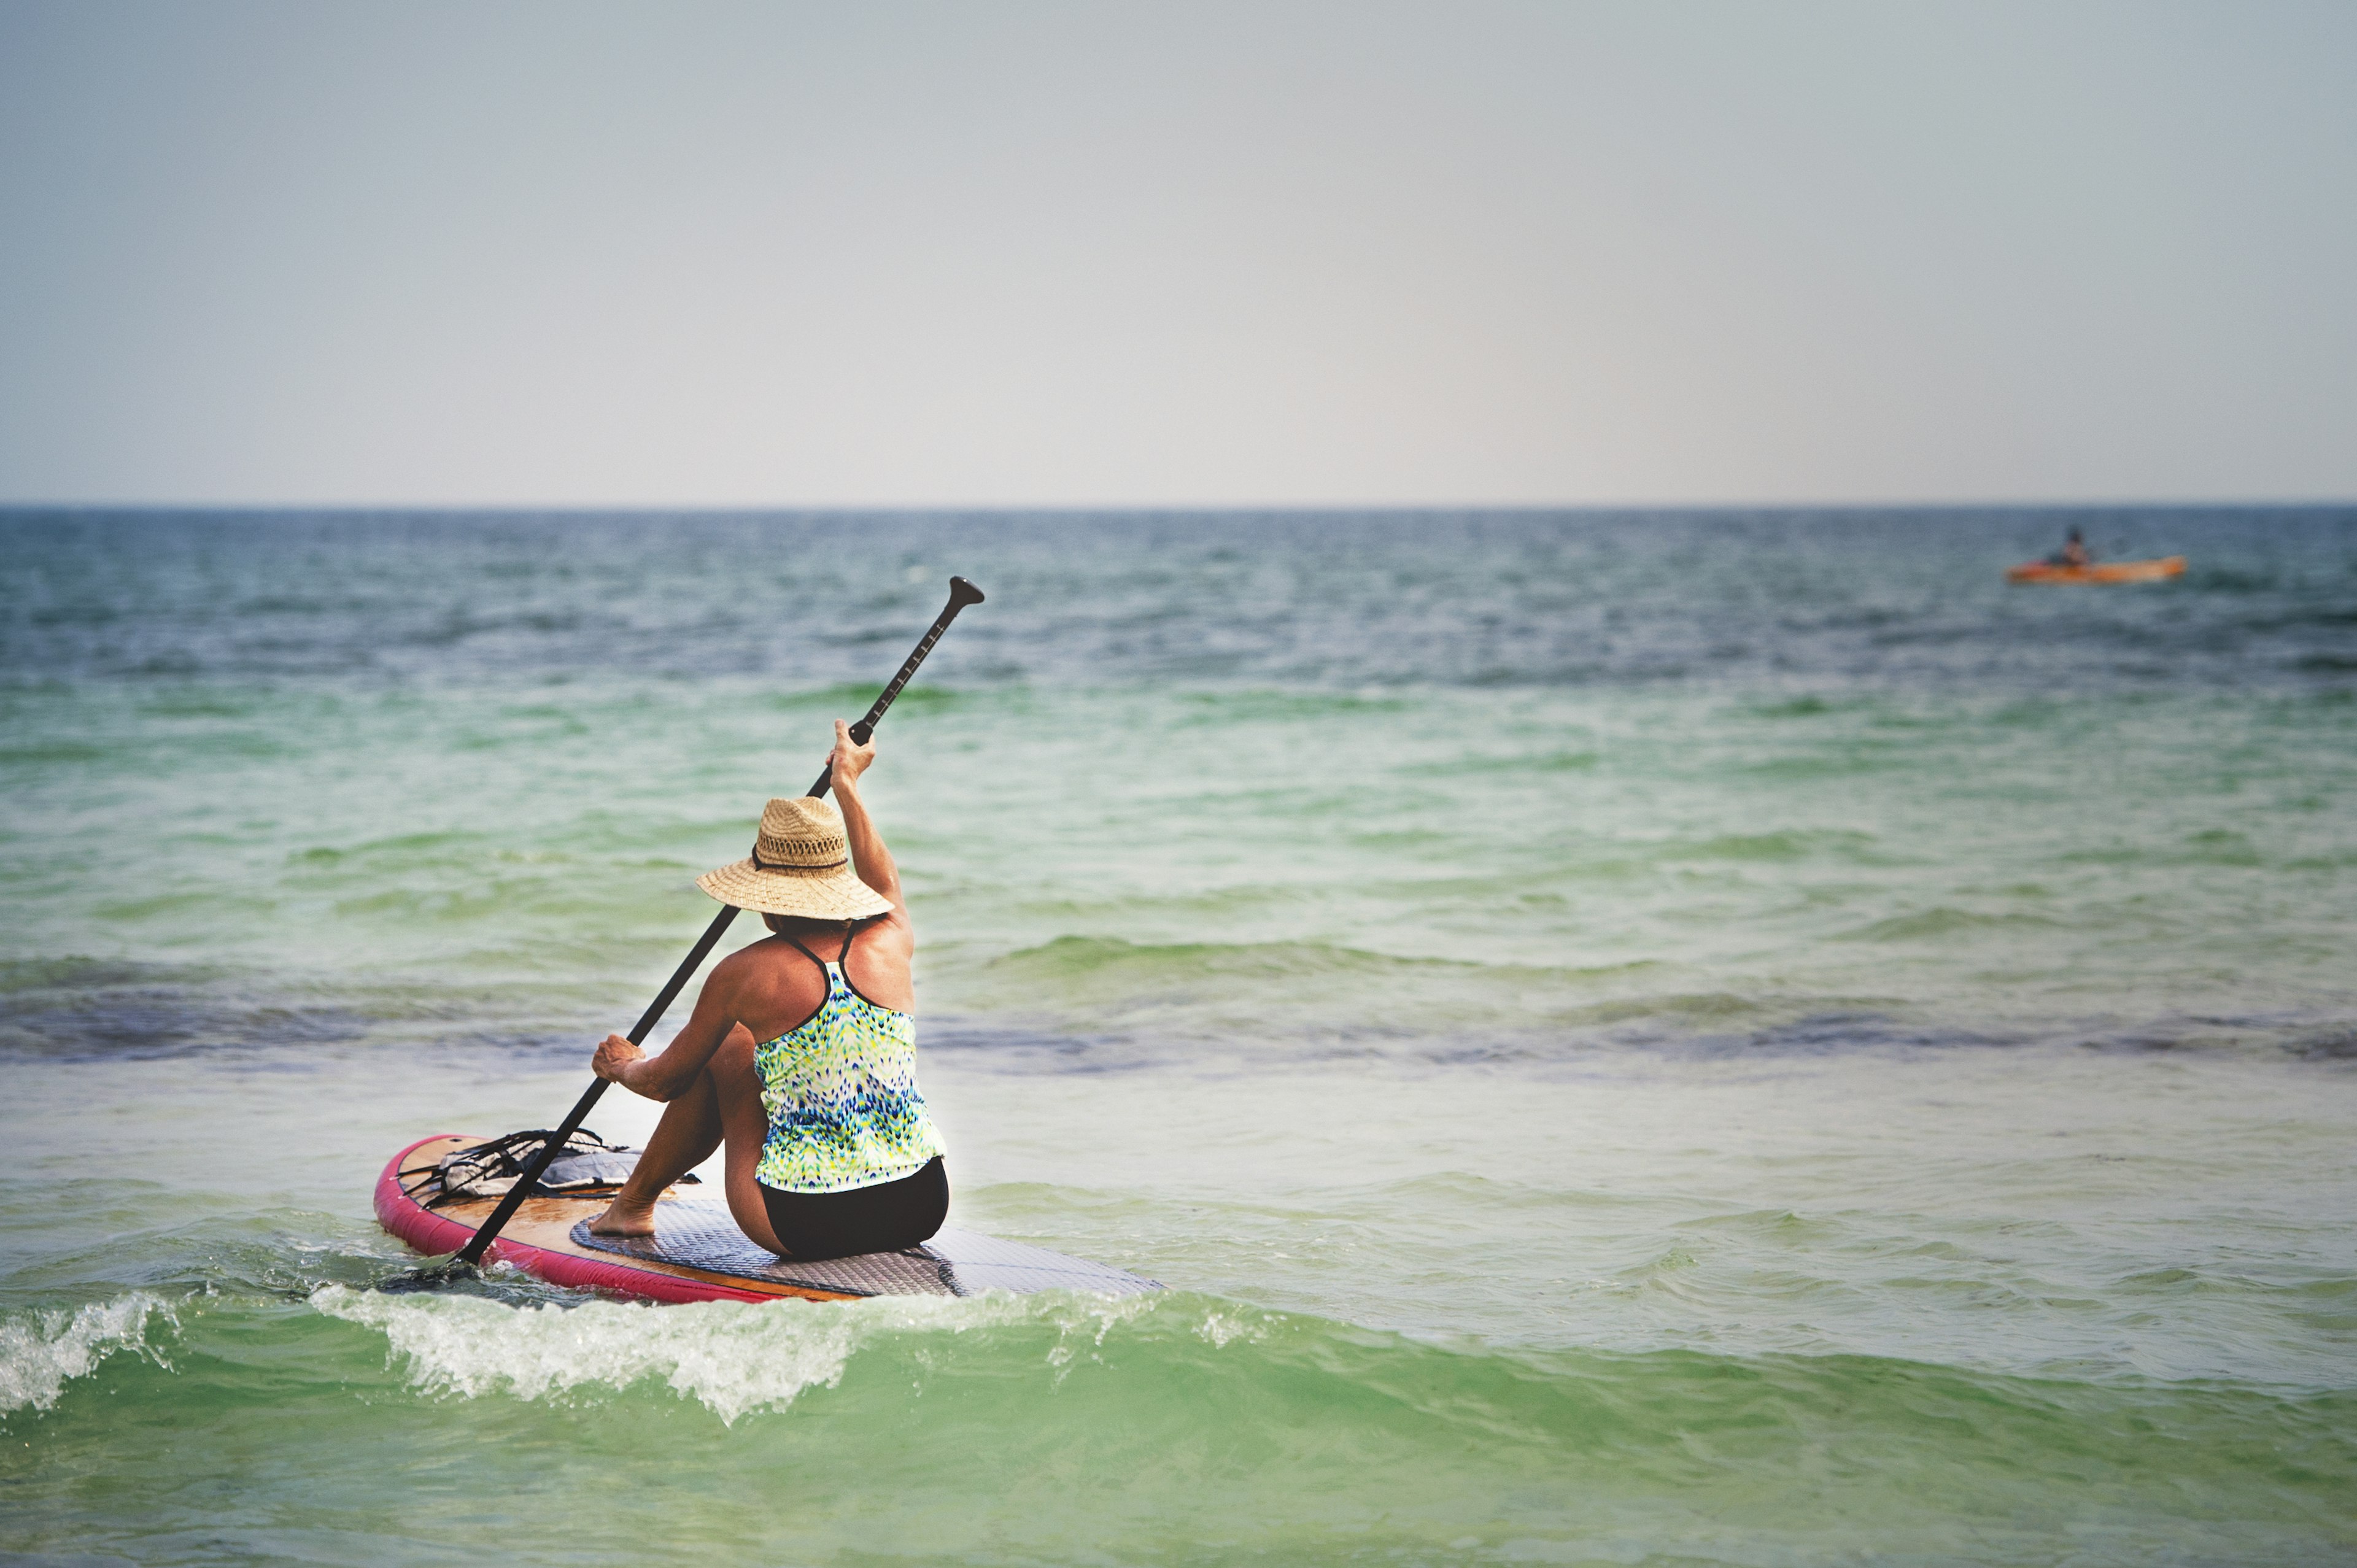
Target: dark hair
point(804, 925)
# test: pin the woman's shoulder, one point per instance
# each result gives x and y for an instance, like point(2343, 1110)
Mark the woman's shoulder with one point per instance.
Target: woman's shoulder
point(891, 930)
point(760, 961)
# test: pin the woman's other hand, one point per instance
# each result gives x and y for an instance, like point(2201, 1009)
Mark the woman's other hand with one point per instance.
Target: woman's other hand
point(614, 1058)
point(851, 758)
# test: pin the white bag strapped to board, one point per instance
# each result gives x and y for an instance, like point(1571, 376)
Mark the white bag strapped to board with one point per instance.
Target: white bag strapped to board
point(586, 1165)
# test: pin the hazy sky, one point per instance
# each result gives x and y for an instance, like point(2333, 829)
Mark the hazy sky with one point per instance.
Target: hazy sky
point(975, 253)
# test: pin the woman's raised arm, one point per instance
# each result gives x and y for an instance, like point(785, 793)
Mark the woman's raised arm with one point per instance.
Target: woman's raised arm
point(868, 855)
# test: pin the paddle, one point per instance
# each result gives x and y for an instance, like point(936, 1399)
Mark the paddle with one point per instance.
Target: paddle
point(469, 1257)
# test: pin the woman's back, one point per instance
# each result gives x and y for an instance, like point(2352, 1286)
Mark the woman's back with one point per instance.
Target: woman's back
point(839, 1084)
point(782, 982)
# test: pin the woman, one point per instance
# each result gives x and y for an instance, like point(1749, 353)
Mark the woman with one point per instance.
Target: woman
point(802, 1053)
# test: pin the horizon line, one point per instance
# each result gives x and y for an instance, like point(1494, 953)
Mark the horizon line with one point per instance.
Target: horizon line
point(1093, 508)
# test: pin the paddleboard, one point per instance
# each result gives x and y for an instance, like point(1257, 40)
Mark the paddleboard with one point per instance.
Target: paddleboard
point(698, 1253)
point(2100, 572)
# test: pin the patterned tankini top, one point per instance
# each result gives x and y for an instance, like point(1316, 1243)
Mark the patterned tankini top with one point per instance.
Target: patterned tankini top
point(841, 1092)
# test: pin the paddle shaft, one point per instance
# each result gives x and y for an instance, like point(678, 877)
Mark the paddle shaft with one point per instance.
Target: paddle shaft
point(962, 594)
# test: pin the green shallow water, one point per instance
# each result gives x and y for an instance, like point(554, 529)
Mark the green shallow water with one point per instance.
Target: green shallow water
point(1184, 1428)
point(1711, 1038)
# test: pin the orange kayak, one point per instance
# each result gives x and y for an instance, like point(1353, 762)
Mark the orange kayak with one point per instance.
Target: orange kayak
point(2101, 572)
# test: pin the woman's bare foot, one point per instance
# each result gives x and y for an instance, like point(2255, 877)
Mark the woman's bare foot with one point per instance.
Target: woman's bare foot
point(623, 1217)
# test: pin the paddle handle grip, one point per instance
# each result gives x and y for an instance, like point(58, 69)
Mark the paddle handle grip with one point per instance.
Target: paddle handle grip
point(962, 594)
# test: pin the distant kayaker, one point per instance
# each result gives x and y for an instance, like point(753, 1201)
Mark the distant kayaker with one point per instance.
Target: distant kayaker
point(801, 1057)
point(2072, 554)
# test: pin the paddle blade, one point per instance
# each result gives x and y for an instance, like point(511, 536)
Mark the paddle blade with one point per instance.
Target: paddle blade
point(434, 1273)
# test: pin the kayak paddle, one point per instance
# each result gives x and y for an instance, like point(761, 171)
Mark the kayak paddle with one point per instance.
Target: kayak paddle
point(469, 1259)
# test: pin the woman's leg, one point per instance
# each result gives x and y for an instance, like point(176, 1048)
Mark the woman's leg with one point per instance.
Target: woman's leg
point(737, 1090)
point(690, 1130)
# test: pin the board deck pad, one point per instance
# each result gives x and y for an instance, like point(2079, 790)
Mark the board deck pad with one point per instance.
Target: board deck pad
point(700, 1233)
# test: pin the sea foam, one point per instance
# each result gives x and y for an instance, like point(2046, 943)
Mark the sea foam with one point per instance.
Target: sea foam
point(41, 1352)
point(732, 1356)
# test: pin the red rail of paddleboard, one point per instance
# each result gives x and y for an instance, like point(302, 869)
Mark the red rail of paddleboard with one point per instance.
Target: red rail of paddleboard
point(434, 1235)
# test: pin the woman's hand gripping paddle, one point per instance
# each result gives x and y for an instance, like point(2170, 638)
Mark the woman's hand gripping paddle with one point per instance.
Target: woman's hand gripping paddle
point(465, 1262)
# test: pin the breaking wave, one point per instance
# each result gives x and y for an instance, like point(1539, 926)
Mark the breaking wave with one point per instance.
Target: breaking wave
point(41, 1352)
point(732, 1356)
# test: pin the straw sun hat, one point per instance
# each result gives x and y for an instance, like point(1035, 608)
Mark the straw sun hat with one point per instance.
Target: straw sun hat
point(799, 865)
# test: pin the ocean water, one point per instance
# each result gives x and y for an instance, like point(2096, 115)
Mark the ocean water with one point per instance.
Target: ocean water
point(1637, 1038)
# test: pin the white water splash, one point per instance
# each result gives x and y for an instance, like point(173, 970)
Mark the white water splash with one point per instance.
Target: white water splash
point(732, 1356)
point(1221, 1329)
point(41, 1352)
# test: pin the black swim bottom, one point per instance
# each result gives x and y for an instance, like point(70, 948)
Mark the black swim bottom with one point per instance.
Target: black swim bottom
point(880, 1219)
